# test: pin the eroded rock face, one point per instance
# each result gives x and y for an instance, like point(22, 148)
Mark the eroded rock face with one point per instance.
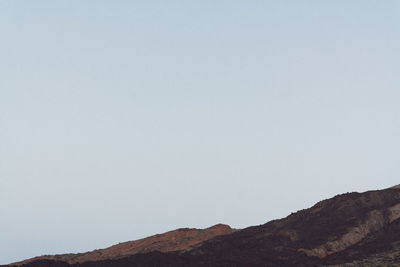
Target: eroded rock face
point(375, 221)
point(177, 240)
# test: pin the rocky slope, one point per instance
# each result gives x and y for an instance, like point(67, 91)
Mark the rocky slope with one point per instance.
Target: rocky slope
point(352, 229)
point(344, 228)
point(177, 240)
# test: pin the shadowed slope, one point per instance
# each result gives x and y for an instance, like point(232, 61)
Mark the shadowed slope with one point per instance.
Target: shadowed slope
point(308, 237)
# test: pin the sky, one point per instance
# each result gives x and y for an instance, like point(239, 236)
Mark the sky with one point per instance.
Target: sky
point(124, 119)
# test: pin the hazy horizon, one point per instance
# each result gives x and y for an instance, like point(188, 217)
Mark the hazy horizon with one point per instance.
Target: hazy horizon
point(121, 120)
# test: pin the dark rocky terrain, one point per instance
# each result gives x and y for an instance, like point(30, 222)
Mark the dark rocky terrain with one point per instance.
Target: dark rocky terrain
point(352, 229)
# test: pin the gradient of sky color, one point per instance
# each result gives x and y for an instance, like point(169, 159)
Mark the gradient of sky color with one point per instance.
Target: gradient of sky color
point(123, 119)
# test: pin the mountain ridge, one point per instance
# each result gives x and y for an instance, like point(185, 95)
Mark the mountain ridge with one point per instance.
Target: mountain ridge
point(176, 240)
point(346, 230)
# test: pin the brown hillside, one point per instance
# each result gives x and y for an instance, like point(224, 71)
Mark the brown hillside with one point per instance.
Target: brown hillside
point(178, 240)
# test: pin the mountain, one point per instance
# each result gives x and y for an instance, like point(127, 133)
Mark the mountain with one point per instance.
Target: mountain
point(177, 240)
point(352, 229)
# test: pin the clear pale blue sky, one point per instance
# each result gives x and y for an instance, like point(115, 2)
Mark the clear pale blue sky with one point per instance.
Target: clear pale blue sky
point(122, 119)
